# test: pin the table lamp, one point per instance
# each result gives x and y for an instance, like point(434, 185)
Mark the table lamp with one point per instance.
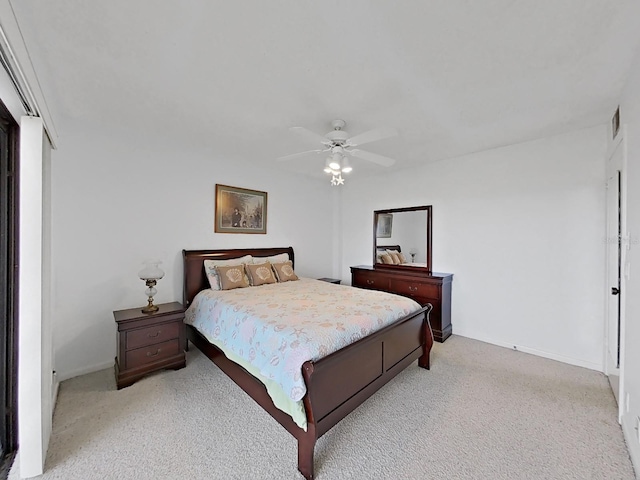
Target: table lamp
point(151, 273)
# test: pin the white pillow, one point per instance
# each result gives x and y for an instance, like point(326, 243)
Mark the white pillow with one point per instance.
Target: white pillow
point(280, 258)
point(212, 275)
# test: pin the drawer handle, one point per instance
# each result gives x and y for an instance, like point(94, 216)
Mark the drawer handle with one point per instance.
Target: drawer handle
point(413, 289)
point(149, 354)
point(370, 282)
point(154, 336)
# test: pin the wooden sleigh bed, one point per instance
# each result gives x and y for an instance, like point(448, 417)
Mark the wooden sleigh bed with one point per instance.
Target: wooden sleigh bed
point(337, 383)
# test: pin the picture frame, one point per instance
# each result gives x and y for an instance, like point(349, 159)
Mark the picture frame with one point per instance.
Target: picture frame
point(240, 210)
point(384, 225)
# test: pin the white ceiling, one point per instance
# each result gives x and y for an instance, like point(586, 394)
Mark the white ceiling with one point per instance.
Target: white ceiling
point(231, 77)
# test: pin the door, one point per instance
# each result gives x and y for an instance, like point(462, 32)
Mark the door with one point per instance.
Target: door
point(8, 280)
point(614, 268)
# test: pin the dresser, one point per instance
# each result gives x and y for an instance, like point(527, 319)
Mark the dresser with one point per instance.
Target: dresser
point(434, 288)
point(148, 342)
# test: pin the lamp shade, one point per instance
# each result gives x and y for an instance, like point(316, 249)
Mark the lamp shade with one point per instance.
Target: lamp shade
point(336, 158)
point(327, 168)
point(151, 270)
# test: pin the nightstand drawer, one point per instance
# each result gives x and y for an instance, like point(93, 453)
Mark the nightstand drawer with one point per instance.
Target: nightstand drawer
point(414, 289)
point(152, 353)
point(153, 334)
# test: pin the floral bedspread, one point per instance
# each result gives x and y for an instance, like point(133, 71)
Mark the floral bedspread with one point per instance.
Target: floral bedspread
point(277, 327)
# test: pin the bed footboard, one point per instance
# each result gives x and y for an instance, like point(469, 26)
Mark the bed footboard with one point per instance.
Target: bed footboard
point(340, 382)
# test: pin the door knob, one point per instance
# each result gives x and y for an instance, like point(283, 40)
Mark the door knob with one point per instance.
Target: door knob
point(615, 291)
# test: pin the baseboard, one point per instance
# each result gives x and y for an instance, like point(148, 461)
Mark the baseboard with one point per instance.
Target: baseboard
point(84, 370)
point(540, 353)
point(631, 439)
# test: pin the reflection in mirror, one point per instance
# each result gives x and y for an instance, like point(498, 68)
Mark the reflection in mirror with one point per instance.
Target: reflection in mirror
point(406, 231)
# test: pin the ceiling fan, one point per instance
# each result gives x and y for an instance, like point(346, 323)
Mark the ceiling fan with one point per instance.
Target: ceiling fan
point(341, 145)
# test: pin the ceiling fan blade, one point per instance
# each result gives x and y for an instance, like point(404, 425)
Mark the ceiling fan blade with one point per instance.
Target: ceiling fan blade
point(372, 136)
point(309, 135)
point(296, 155)
point(372, 157)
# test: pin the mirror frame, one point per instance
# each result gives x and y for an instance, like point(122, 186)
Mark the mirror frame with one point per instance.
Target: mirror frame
point(376, 215)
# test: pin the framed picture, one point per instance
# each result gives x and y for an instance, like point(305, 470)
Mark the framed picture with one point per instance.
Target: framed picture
point(383, 225)
point(239, 210)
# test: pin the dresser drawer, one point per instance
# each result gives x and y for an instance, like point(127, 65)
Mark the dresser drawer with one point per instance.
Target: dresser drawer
point(152, 353)
point(413, 288)
point(423, 287)
point(370, 280)
point(153, 334)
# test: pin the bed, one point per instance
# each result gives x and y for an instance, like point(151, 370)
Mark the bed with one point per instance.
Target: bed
point(335, 384)
point(382, 249)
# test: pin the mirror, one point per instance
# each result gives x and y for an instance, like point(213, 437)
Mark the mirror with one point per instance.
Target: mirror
point(405, 230)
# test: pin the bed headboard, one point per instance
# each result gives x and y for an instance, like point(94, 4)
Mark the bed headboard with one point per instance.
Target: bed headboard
point(195, 278)
point(389, 247)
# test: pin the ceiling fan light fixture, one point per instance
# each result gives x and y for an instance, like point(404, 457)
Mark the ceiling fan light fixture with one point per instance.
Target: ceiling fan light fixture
point(339, 143)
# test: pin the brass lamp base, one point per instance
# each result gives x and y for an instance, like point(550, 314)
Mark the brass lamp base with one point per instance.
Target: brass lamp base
point(150, 308)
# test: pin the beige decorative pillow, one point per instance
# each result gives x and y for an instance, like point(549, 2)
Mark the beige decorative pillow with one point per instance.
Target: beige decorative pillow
point(232, 276)
point(395, 258)
point(402, 258)
point(284, 271)
point(210, 268)
point(260, 274)
point(386, 259)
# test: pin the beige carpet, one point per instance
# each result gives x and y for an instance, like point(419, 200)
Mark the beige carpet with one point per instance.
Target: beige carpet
point(481, 412)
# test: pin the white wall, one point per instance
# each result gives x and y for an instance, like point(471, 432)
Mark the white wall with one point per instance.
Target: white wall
point(521, 228)
point(118, 200)
point(630, 116)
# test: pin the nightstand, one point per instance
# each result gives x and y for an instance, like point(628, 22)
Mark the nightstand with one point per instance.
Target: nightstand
point(148, 342)
point(331, 280)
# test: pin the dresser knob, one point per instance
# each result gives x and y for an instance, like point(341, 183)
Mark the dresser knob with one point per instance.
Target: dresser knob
point(154, 336)
point(370, 282)
point(413, 289)
point(149, 354)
